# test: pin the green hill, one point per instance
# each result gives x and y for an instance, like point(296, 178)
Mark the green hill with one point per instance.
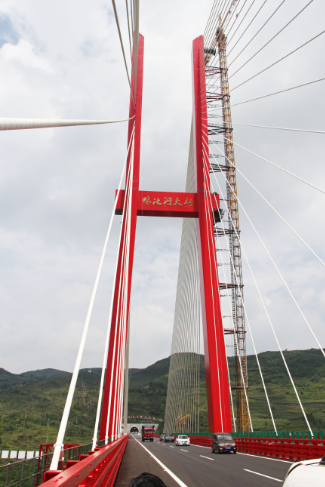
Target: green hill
point(31, 403)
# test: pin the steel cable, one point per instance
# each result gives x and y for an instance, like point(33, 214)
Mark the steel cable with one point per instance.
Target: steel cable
point(268, 317)
point(268, 42)
point(278, 61)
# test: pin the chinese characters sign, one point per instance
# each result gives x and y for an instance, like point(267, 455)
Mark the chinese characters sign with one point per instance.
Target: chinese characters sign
point(155, 203)
point(167, 201)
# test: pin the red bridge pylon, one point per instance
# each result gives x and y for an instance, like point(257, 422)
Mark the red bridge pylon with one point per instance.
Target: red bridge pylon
point(201, 205)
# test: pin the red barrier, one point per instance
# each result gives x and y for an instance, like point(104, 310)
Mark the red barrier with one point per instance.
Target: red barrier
point(293, 449)
point(96, 469)
point(200, 440)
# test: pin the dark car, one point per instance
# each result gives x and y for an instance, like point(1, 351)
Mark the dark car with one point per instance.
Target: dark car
point(169, 438)
point(162, 437)
point(222, 442)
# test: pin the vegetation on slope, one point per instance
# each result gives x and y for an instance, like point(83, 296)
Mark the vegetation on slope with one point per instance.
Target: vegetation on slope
point(31, 404)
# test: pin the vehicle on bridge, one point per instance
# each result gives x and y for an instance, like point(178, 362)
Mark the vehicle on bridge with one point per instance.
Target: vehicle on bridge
point(222, 442)
point(147, 433)
point(182, 440)
point(162, 437)
point(169, 438)
point(301, 473)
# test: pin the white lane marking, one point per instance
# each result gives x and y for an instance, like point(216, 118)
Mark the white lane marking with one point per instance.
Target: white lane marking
point(163, 466)
point(250, 455)
point(265, 458)
point(171, 446)
point(206, 457)
point(262, 475)
point(185, 450)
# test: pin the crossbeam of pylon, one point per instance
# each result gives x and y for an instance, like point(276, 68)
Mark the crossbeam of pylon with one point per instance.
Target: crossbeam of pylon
point(111, 408)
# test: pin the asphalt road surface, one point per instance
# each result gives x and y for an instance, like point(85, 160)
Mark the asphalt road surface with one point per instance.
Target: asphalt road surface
point(196, 466)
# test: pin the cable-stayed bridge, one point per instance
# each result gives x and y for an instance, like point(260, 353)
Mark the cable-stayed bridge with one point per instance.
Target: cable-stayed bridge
point(210, 273)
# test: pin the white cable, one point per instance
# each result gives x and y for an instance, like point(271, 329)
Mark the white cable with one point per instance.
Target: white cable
point(272, 207)
point(284, 282)
point(268, 42)
point(233, 324)
point(67, 407)
point(246, 30)
point(279, 60)
point(241, 368)
point(123, 321)
point(280, 128)
point(128, 22)
point(241, 22)
point(257, 31)
point(279, 167)
point(278, 92)
point(135, 43)
point(102, 378)
point(247, 320)
point(275, 336)
point(237, 16)
point(121, 42)
point(118, 305)
point(39, 123)
point(122, 299)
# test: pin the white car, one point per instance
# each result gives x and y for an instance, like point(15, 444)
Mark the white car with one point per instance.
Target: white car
point(306, 473)
point(182, 440)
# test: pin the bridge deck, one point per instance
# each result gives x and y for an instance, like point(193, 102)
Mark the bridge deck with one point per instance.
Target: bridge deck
point(137, 460)
point(197, 467)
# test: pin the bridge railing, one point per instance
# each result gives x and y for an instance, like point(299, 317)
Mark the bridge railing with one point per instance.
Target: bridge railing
point(30, 472)
point(97, 467)
point(294, 446)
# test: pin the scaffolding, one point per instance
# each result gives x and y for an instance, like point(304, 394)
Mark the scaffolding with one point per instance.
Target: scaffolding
point(224, 127)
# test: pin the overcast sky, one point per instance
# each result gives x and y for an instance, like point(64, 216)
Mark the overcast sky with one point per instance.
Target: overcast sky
point(63, 60)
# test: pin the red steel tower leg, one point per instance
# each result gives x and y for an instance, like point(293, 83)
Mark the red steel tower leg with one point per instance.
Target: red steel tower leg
point(117, 342)
point(219, 412)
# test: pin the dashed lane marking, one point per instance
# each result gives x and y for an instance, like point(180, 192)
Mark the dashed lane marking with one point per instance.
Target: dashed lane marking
point(185, 450)
point(265, 458)
point(207, 458)
point(171, 446)
point(262, 475)
point(250, 455)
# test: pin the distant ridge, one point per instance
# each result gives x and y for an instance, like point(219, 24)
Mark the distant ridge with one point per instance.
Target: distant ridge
point(44, 373)
point(31, 403)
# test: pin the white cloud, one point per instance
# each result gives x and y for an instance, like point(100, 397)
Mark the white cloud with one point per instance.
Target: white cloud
point(24, 54)
point(57, 186)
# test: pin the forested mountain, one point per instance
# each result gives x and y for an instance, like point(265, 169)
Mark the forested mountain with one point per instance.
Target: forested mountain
point(31, 403)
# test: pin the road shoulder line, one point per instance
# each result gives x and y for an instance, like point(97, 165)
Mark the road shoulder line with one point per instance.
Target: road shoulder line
point(178, 480)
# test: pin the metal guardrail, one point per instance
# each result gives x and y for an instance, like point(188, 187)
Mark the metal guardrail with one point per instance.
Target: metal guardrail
point(98, 468)
point(30, 472)
point(290, 447)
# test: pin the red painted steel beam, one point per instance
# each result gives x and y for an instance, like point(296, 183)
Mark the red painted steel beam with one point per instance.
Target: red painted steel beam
point(98, 469)
point(219, 413)
point(167, 204)
point(117, 342)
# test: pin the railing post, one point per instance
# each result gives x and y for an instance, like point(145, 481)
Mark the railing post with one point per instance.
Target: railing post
point(22, 473)
point(7, 476)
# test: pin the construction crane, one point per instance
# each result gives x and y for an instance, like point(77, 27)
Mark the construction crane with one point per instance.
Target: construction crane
point(180, 421)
